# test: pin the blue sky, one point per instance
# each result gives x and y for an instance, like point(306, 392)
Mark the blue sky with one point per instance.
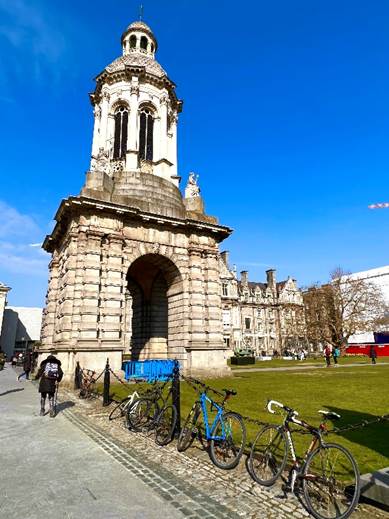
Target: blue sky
point(286, 120)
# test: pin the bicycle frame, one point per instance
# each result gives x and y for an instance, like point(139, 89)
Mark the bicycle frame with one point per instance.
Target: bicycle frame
point(296, 467)
point(209, 429)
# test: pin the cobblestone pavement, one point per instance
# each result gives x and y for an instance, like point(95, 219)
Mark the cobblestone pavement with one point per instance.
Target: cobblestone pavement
point(184, 478)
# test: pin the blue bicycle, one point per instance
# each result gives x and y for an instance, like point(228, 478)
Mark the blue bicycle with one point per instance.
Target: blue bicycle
point(226, 434)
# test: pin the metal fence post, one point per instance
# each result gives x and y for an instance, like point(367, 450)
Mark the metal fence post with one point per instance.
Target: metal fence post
point(176, 395)
point(107, 381)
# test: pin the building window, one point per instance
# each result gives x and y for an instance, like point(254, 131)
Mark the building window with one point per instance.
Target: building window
point(226, 318)
point(133, 41)
point(121, 125)
point(146, 135)
point(143, 43)
point(224, 289)
point(247, 323)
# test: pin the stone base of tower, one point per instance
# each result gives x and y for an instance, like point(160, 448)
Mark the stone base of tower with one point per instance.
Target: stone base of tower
point(207, 363)
point(93, 358)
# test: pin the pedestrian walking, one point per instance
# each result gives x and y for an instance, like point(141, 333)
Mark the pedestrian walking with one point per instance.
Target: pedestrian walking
point(336, 354)
point(373, 354)
point(27, 364)
point(50, 375)
point(327, 354)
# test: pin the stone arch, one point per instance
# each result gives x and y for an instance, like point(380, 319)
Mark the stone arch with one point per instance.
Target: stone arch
point(116, 104)
point(155, 287)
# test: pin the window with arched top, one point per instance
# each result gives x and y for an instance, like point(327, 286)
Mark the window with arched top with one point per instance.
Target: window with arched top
point(133, 41)
point(143, 43)
point(120, 138)
point(146, 128)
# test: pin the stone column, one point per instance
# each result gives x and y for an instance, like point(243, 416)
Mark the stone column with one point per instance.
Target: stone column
point(198, 334)
point(48, 321)
point(96, 130)
point(163, 128)
point(104, 120)
point(172, 155)
point(112, 292)
point(88, 289)
point(132, 134)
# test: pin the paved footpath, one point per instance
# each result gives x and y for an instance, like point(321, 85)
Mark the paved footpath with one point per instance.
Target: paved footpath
point(48, 468)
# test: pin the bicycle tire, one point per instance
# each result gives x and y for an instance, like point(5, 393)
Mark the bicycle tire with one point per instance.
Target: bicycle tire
point(188, 432)
point(145, 415)
point(219, 449)
point(342, 484)
point(166, 425)
point(119, 410)
point(269, 452)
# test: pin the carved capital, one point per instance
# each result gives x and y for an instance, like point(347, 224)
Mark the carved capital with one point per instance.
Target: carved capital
point(134, 90)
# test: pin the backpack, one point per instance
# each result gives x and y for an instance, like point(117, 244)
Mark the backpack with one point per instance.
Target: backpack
point(51, 371)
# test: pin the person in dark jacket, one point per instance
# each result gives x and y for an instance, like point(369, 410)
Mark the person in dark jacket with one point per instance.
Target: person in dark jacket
point(373, 354)
point(26, 366)
point(51, 374)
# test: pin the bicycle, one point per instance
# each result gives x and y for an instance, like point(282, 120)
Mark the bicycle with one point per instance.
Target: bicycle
point(150, 415)
point(328, 473)
point(121, 408)
point(226, 435)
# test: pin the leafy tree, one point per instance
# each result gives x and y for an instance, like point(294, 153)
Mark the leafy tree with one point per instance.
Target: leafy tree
point(344, 306)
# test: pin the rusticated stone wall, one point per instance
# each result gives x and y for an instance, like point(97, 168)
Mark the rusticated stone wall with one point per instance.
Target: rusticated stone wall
point(126, 281)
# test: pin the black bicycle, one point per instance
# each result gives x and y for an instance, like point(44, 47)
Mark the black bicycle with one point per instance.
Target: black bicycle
point(328, 473)
point(153, 411)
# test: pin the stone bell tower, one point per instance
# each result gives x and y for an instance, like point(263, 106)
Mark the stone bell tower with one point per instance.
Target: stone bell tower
point(134, 266)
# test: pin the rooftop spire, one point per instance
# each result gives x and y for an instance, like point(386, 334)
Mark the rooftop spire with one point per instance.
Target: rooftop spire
point(140, 12)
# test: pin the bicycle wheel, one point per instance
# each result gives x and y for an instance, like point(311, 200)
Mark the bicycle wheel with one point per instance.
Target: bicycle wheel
point(166, 425)
point(331, 482)
point(189, 430)
point(226, 453)
point(268, 455)
point(142, 414)
point(119, 410)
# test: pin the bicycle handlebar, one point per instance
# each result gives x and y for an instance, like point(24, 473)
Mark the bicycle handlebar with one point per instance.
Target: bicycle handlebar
point(278, 404)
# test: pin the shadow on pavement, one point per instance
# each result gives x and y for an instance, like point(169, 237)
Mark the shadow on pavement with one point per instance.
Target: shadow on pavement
point(64, 405)
point(12, 391)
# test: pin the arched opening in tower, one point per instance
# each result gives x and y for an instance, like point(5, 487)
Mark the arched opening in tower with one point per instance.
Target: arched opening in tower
point(154, 313)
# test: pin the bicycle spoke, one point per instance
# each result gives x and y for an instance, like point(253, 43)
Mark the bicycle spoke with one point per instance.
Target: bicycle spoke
point(331, 482)
point(227, 451)
point(268, 455)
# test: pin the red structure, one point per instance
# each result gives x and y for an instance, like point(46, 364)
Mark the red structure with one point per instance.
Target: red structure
point(364, 349)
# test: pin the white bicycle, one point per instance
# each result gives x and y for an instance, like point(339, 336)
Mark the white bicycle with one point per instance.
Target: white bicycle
point(120, 409)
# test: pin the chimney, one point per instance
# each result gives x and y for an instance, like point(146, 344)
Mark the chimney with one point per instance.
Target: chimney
point(225, 257)
point(271, 278)
point(244, 277)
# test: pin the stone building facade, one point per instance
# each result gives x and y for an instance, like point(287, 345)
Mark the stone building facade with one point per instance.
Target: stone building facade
point(266, 317)
point(135, 265)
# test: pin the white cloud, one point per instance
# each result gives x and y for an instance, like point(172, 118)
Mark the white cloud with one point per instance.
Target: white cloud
point(17, 254)
point(15, 224)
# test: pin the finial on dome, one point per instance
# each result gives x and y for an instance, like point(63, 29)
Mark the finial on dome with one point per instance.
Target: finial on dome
point(140, 12)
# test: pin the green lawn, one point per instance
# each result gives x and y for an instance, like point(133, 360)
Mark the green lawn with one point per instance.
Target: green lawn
point(360, 393)
point(281, 363)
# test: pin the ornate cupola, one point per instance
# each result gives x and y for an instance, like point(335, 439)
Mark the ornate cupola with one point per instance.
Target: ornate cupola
point(135, 108)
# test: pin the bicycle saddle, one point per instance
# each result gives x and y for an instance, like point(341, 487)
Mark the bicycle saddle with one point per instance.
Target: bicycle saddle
point(330, 415)
point(229, 392)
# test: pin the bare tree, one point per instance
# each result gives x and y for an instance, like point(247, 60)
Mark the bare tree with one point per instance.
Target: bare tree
point(344, 306)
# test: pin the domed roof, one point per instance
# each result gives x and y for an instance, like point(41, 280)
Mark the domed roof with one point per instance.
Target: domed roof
point(140, 26)
point(137, 59)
